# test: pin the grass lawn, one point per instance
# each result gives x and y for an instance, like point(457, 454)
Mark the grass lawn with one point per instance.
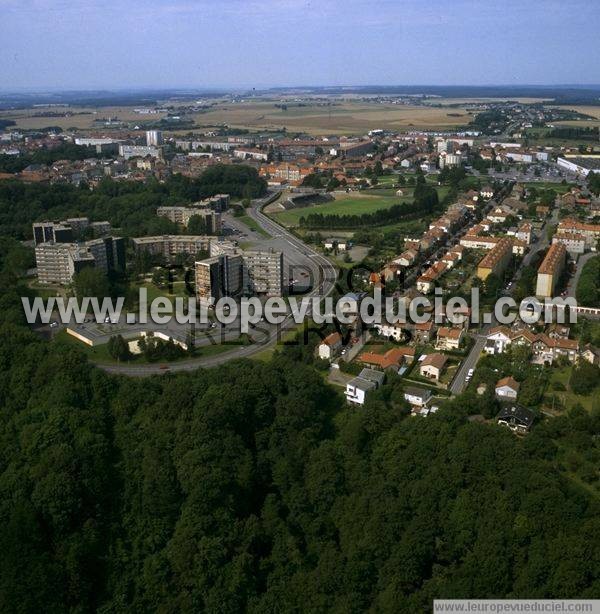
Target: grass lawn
point(549, 185)
point(568, 398)
point(253, 225)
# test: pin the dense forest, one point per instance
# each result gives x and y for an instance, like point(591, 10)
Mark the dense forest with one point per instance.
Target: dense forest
point(127, 205)
point(252, 487)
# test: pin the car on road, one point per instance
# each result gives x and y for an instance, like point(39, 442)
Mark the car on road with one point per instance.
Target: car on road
point(53, 324)
point(469, 375)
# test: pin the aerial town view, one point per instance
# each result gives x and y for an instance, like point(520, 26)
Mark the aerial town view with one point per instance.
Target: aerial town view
point(300, 306)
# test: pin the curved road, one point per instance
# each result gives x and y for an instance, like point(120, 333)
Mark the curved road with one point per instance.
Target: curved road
point(325, 276)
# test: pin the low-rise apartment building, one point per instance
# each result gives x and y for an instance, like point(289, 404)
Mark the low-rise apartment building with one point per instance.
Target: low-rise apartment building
point(496, 260)
point(182, 215)
point(170, 246)
point(550, 270)
point(591, 232)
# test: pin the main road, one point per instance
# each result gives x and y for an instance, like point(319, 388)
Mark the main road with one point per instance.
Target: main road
point(324, 276)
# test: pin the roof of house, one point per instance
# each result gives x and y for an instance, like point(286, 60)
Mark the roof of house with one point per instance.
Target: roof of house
point(508, 381)
point(332, 339)
point(362, 384)
point(514, 412)
point(391, 358)
point(435, 360)
point(449, 333)
point(423, 393)
point(424, 325)
point(376, 377)
point(554, 258)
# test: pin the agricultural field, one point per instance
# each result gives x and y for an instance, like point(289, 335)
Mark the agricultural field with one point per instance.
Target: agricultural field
point(79, 117)
point(340, 118)
point(354, 203)
point(593, 111)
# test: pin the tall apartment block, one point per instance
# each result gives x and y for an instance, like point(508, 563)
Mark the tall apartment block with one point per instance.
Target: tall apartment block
point(235, 272)
point(218, 203)
point(264, 272)
point(69, 230)
point(219, 276)
point(154, 138)
point(58, 262)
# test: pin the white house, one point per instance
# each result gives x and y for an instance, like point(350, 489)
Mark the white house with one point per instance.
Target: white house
point(417, 397)
point(357, 388)
point(486, 192)
point(393, 331)
point(507, 388)
point(497, 340)
point(330, 347)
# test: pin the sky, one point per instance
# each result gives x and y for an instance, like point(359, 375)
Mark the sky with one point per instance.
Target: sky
point(87, 44)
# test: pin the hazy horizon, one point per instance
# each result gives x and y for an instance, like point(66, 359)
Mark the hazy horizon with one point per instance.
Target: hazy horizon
point(179, 44)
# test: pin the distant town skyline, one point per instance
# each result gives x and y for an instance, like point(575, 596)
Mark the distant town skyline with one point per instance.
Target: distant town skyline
point(267, 43)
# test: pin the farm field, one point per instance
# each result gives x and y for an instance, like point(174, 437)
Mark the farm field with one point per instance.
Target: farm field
point(352, 204)
point(82, 117)
point(343, 118)
point(581, 123)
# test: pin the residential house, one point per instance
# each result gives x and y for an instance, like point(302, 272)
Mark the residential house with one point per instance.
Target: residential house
point(423, 331)
point(591, 354)
point(330, 347)
point(358, 387)
point(507, 388)
point(433, 366)
point(486, 192)
point(392, 359)
point(516, 417)
point(391, 331)
point(417, 397)
point(449, 338)
point(497, 340)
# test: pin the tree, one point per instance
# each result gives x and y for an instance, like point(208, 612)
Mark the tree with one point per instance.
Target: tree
point(118, 348)
point(197, 225)
point(91, 282)
point(493, 285)
point(584, 378)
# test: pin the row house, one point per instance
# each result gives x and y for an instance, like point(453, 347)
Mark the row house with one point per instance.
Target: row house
point(544, 347)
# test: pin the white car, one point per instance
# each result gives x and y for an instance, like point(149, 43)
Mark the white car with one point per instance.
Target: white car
point(53, 324)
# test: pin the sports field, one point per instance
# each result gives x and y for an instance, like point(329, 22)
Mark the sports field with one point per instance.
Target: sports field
point(346, 204)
